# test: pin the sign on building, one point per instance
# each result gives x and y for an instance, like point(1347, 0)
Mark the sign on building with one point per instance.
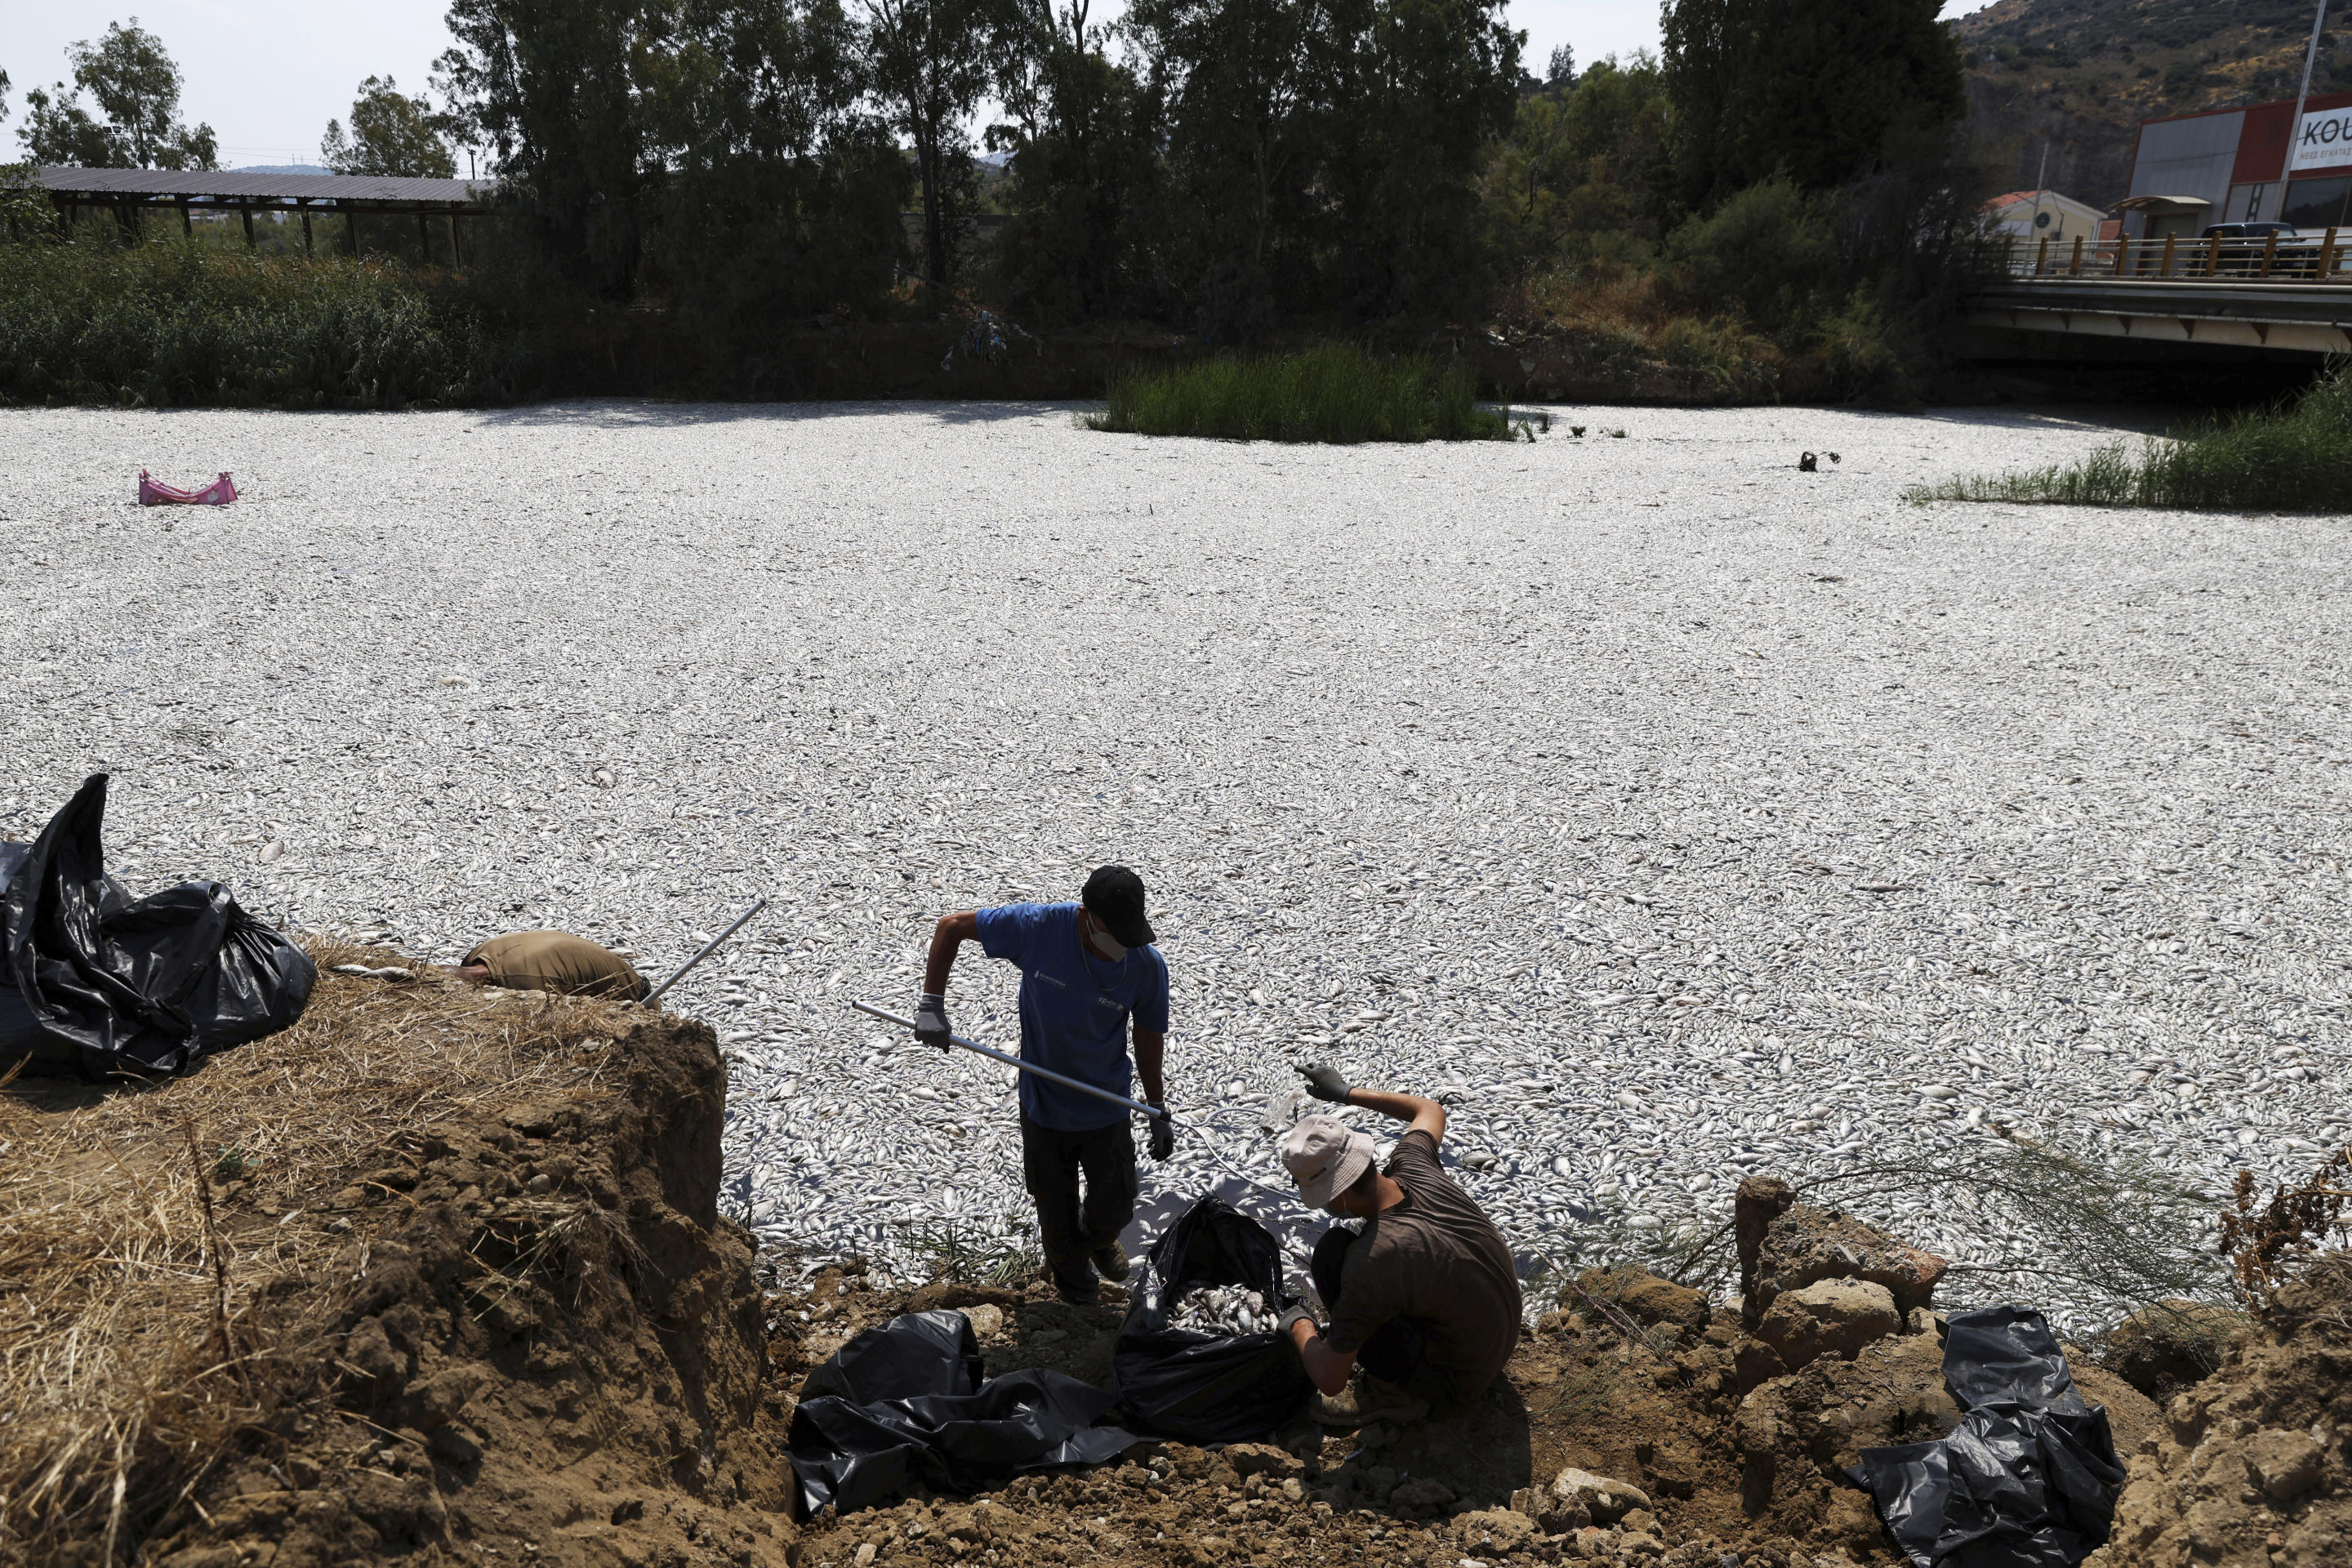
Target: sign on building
point(2325, 140)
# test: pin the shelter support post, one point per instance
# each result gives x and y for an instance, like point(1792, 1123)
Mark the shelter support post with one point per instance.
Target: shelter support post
point(187, 225)
point(307, 248)
point(423, 240)
point(246, 213)
point(352, 229)
point(457, 254)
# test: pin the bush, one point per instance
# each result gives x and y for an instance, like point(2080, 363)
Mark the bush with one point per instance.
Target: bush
point(1770, 248)
point(178, 324)
point(2296, 458)
point(1336, 393)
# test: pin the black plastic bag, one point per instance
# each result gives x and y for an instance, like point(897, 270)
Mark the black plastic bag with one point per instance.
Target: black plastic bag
point(2007, 1354)
point(2028, 1478)
point(147, 985)
point(903, 1404)
point(1206, 1388)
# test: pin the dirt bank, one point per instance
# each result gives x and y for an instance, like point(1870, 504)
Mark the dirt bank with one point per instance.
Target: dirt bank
point(445, 1282)
point(2252, 1468)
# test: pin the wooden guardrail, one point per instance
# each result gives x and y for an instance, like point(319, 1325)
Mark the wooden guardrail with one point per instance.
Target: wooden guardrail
point(2276, 258)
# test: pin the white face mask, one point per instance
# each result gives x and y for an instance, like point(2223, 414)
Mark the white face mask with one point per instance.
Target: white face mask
point(1108, 945)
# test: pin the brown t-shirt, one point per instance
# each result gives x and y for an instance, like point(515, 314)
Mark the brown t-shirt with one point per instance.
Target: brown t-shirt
point(1437, 1258)
point(557, 961)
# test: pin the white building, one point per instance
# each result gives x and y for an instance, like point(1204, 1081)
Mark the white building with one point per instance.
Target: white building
point(2042, 215)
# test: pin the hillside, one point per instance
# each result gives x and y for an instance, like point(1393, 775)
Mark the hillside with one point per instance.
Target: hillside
point(2080, 75)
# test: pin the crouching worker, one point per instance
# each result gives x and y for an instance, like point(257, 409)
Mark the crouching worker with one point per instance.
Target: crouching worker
point(1425, 1299)
point(552, 960)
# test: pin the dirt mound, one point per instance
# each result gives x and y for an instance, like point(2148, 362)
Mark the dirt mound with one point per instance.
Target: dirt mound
point(2253, 1465)
point(446, 1279)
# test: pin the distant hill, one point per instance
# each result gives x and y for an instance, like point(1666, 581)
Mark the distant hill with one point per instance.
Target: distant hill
point(283, 169)
point(2080, 75)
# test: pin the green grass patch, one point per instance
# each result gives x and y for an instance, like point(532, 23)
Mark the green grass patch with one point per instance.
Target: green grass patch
point(177, 324)
point(2295, 456)
point(1336, 393)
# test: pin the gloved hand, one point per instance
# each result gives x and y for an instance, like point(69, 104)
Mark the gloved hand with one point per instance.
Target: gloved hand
point(1163, 1136)
point(931, 1021)
point(1296, 1315)
point(1324, 1082)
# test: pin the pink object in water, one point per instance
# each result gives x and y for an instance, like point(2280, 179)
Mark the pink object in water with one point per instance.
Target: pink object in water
point(220, 492)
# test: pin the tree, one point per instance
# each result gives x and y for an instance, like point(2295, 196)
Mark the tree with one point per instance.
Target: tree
point(929, 65)
point(549, 90)
point(1420, 92)
point(137, 88)
point(1561, 71)
point(1241, 140)
point(1812, 90)
point(1082, 181)
point(391, 133)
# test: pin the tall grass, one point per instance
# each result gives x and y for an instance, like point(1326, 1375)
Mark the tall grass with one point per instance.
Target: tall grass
point(177, 323)
point(2291, 458)
point(1335, 391)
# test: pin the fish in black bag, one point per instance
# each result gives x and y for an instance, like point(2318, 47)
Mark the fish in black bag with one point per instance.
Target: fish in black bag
point(1206, 1388)
point(97, 983)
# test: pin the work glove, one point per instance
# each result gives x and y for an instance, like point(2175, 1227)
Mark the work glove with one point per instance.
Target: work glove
point(1296, 1315)
point(1324, 1082)
point(931, 1021)
point(1163, 1136)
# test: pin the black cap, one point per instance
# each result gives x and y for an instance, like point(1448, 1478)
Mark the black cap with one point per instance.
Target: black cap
point(1114, 896)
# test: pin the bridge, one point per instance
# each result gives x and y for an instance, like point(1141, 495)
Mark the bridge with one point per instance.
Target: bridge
point(2281, 295)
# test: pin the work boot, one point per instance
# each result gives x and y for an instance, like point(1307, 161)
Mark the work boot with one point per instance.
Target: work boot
point(1110, 1260)
point(1074, 1283)
point(1369, 1399)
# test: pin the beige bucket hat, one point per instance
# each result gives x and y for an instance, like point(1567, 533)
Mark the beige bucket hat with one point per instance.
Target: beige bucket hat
point(1324, 1156)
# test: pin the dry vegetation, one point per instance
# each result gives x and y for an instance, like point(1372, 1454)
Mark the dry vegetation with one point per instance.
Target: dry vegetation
point(125, 1360)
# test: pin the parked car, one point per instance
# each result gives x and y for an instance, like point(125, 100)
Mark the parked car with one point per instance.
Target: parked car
point(2243, 245)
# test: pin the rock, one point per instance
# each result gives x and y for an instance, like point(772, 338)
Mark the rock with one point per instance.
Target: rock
point(1832, 1317)
point(434, 1401)
point(1605, 1499)
point(1423, 1491)
point(2287, 1464)
point(1646, 1298)
point(2172, 1345)
point(1641, 1520)
point(1786, 1245)
point(987, 1322)
point(1263, 1459)
point(1494, 1531)
point(1557, 1516)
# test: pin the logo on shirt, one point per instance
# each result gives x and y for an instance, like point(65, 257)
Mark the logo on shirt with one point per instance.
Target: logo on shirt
point(1113, 1003)
point(1057, 984)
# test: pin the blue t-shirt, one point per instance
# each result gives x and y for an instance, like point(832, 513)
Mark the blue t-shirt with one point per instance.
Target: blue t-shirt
point(1075, 1007)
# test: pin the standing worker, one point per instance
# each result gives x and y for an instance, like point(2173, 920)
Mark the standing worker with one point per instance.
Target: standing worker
point(1088, 971)
point(1425, 1299)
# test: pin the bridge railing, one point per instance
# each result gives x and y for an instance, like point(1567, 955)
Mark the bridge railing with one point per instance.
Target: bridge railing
point(2283, 258)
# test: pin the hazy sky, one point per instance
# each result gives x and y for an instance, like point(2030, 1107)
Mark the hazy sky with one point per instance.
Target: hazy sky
point(268, 74)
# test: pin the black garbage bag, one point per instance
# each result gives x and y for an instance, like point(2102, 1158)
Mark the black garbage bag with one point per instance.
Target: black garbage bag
point(1197, 1387)
point(904, 1402)
point(114, 984)
point(2029, 1476)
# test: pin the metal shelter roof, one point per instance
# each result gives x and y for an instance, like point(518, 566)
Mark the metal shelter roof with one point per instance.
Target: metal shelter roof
point(238, 186)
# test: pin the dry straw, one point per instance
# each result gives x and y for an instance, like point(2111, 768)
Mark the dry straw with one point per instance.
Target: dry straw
point(138, 1222)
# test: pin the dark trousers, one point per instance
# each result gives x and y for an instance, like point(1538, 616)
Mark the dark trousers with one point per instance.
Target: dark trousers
point(1069, 1226)
point(1398, 1351)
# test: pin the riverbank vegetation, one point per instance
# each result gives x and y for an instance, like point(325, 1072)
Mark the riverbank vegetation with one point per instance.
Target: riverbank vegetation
point(1237, 174)
point(2295, 457)
point(1334, 393)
